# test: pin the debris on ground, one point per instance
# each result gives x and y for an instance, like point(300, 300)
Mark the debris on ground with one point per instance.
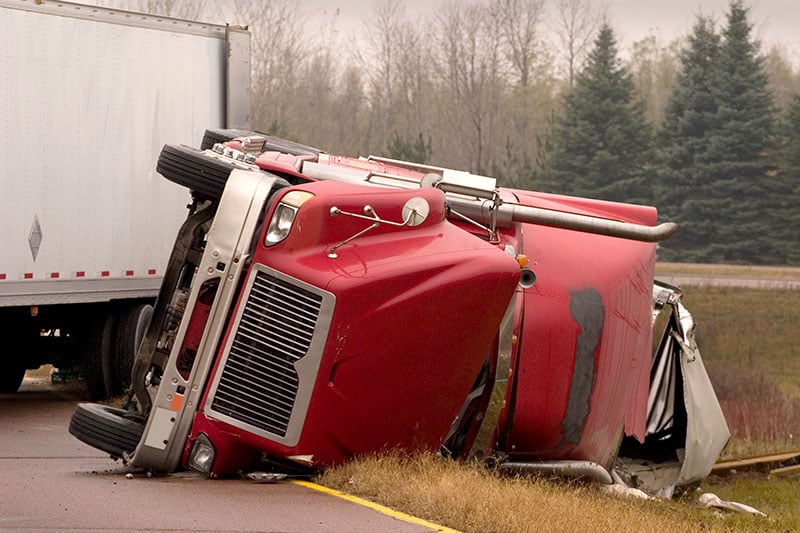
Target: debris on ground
point(712, 500)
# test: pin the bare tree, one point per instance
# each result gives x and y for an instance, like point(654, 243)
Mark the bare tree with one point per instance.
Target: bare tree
point(520, 25)
point(576, 23)
point(654, 67)
point(278, 50)
point(469, 63)
point(379, 58)
point(784, 77)
point(351, 113)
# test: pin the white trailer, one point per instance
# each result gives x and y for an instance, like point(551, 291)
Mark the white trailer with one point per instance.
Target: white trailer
point(89, 97)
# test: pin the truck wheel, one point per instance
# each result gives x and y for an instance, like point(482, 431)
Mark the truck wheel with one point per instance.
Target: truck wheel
point(274, 144)
point(97, 362)
point(131, 324)
point(214, 136)
point(194, 169)
point(11, 377)
point(106, 428)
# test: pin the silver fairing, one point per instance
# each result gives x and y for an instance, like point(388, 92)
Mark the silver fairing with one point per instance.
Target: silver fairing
point(228, 242)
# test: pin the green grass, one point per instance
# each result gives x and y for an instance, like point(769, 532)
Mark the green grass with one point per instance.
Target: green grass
point(752, 330)
point(777, 498)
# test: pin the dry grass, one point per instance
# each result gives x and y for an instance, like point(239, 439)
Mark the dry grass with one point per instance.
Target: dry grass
point(470, 498)
point(748, 340)
point(761, 418)
point(753, 331)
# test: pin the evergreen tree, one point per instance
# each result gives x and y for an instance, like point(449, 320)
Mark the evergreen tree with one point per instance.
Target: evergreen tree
point(418, 151)
point(788, 210)
point(719, 182)
point(745, 151)
point(600, 145)
point(691, 119)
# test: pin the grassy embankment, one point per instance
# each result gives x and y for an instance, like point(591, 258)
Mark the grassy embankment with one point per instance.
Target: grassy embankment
point(749, 343)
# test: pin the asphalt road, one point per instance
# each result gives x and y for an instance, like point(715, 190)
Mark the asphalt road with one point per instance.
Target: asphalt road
point(50, 481)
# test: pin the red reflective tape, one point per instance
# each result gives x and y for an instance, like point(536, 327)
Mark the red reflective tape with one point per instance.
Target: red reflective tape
point(27, 275)
point(2, 276)
point(54, 275)
point(105, 273)
point(80, 274)
point(129, 272)
point(151, 272)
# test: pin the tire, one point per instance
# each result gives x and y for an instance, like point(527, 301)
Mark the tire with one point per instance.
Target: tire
point(106, 428)
point(11, 377)
point(195, 170)
point(274, 144)
point(199, 172)
point(214, 136)
point(97, 361)
point(132, 323)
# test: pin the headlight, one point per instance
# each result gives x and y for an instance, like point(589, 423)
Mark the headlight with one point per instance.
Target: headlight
point(202, 456)
point(284, 215)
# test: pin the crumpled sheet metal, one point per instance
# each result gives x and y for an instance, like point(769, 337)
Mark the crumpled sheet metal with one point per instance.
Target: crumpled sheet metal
point(677, 361)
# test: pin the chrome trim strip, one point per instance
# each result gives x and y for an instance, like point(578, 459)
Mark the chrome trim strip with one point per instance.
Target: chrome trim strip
point(482, 444)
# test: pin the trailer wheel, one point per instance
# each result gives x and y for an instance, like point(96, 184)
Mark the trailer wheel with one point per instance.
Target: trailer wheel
point(11, 376)
point(132, 322)
point(106, 428)
point(97, 362)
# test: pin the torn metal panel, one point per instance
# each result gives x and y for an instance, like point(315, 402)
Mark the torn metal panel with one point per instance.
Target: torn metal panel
point(686, 429)
point(707, 431)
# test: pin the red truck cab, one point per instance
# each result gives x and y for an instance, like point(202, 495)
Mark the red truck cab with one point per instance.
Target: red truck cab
point(320, 307)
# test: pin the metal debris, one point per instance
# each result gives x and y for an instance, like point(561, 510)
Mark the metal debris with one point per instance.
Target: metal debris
point(265, 477)
point(712, 500)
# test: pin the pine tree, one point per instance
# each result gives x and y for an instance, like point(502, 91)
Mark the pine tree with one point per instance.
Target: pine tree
point(788, 210)
point(745, 151)
point(599, 147)
point(691, 119)
point(718, 180)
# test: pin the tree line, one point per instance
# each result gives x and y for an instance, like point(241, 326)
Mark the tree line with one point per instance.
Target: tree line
point(705, 127)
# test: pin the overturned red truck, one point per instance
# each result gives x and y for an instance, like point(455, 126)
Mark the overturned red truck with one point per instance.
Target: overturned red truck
point(318, 307)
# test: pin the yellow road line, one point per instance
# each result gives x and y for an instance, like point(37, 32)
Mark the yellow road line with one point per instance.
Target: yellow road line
point(376, 507)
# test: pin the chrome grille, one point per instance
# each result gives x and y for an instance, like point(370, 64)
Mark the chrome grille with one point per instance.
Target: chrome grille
point(259, 383)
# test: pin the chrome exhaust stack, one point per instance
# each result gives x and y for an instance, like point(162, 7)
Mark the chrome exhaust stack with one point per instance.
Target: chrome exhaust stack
point(477, 198)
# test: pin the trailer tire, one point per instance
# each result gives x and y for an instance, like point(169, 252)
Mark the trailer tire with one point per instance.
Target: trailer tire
point(97, 362)
point(132, 322)
point(106, 428)
point(11, 377)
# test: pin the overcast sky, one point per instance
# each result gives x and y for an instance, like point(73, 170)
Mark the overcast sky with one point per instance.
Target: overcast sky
point(776, 21)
